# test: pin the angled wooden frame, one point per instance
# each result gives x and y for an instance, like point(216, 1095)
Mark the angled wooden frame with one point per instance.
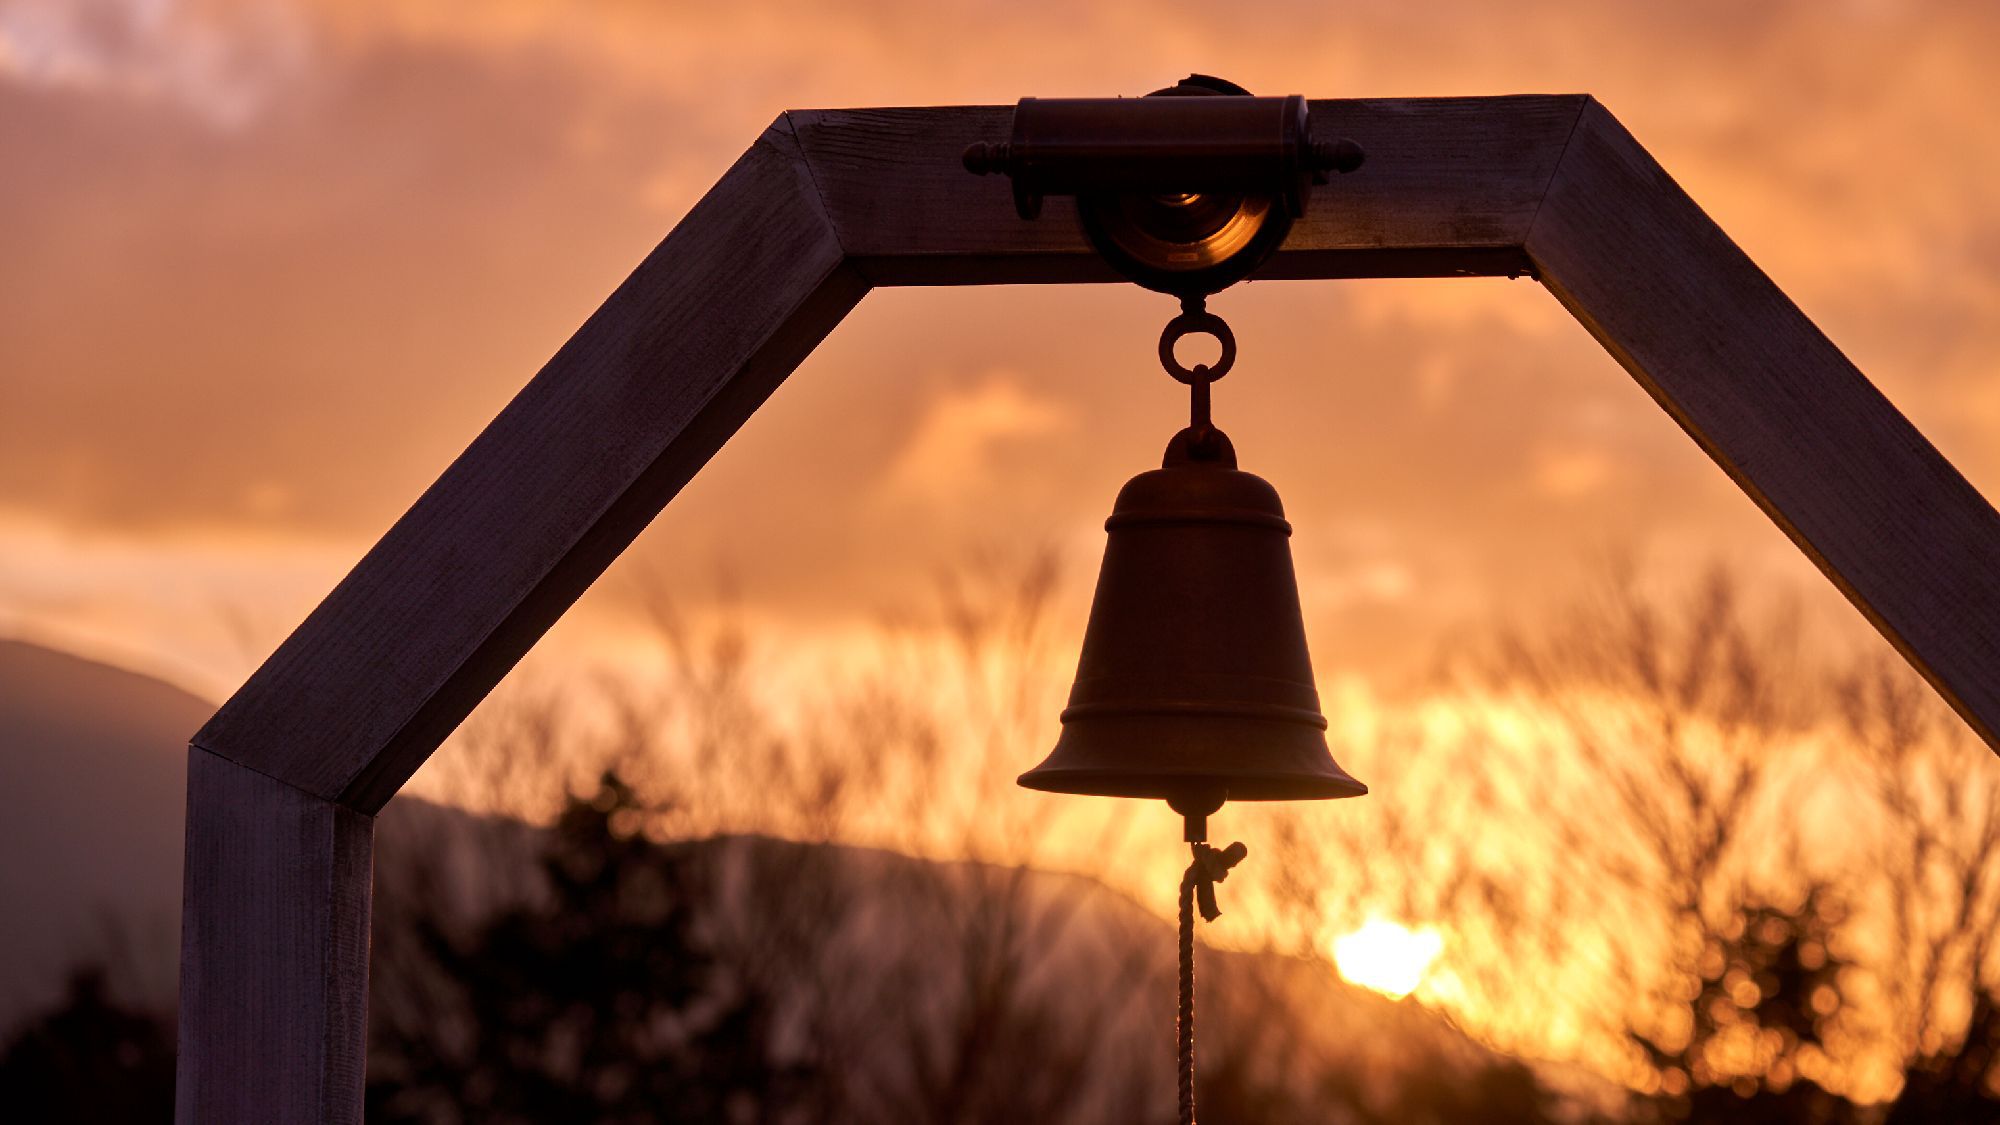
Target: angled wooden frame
point(285, 779)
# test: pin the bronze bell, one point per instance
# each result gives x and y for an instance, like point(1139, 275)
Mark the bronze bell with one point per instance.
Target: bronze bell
point(1194, 685)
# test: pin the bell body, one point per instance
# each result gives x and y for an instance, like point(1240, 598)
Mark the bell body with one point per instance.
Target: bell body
point(1195, 685)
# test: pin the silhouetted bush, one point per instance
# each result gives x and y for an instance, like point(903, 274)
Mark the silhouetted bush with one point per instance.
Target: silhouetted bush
point(89, 1061)
point(600, 1002)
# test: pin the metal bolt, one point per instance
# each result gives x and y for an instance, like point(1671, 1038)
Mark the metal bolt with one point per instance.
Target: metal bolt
point(1340, 155)
point(983, 159)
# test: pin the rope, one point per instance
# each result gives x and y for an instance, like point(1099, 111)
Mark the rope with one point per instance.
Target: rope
point(1207, 868)
point(1184, 1025)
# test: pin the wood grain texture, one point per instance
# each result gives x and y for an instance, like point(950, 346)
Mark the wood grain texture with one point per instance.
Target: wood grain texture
point(1909, 541)
point(274, 952)
point(1450, 187)
point(542, 501)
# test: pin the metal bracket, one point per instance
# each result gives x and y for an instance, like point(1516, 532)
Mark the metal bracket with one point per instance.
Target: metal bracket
point(1184, 191)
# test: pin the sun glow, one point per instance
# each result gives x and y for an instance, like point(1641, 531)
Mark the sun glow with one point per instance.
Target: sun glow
point(1386, 956)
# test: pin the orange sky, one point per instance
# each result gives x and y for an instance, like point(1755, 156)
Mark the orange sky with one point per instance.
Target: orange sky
point(267, 266)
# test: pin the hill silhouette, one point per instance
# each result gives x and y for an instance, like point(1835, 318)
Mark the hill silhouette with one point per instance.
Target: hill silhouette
point(93, 762)
point(892, 962)
point(835, 983)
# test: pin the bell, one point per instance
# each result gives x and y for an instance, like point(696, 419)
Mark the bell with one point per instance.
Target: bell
point(1194, 685)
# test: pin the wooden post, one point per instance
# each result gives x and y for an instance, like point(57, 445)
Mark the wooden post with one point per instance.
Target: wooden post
point(827, 204)
point(1763, 391)
point(274, 951)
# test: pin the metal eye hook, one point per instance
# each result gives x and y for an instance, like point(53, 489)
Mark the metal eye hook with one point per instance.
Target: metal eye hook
point(1192, 321)
point(1195, 319)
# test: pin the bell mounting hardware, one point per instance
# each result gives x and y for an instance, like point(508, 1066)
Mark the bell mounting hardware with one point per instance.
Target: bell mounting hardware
point(1185, 190)
point(1194, 686)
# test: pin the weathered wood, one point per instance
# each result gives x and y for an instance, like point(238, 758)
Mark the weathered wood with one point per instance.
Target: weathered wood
point(1909, 541)
point(542, 501)
point(274, 952)
point(1451, 187)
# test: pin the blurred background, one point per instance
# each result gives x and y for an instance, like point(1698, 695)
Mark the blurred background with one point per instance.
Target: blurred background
point(1660, 830)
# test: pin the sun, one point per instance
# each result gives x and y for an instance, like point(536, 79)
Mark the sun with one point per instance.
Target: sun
point(1386, 956)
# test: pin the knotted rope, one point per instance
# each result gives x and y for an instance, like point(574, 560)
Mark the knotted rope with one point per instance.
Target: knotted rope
point(1208, 868)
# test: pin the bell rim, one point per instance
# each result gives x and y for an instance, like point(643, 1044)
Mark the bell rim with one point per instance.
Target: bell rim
point(1258, 712)
point(1167, 786)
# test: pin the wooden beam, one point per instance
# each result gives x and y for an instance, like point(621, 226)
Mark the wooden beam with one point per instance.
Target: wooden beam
point(1909, 541)
point(274, 952)
point(542, 501)
point(1450, 188)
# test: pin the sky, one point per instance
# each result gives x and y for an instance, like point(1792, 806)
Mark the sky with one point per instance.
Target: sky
point(269, 265)
point(266, 266)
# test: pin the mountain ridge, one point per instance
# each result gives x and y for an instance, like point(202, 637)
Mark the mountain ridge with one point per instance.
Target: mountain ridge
point(97, 755)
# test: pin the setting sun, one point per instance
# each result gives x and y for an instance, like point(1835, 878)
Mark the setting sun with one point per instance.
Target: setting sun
point(1387, 957)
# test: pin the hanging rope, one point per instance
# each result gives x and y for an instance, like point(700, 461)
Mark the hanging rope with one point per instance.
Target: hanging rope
point(1208, 868)
point(1184, 1020)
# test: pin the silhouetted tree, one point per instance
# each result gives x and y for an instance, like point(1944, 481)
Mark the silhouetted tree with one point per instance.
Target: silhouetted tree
point(89, 1061)
point(947, 1010)
point(1763, 996)
point(1935, 854)
point(1779, 871)
point(599, 1003)
point(1955, 1083)
point(1674, 774)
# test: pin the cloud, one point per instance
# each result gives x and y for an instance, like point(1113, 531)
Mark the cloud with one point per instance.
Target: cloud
point(201, 611)
point(274, 264)
point(1569, 473)
point(220, 61)
point(952, 450)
